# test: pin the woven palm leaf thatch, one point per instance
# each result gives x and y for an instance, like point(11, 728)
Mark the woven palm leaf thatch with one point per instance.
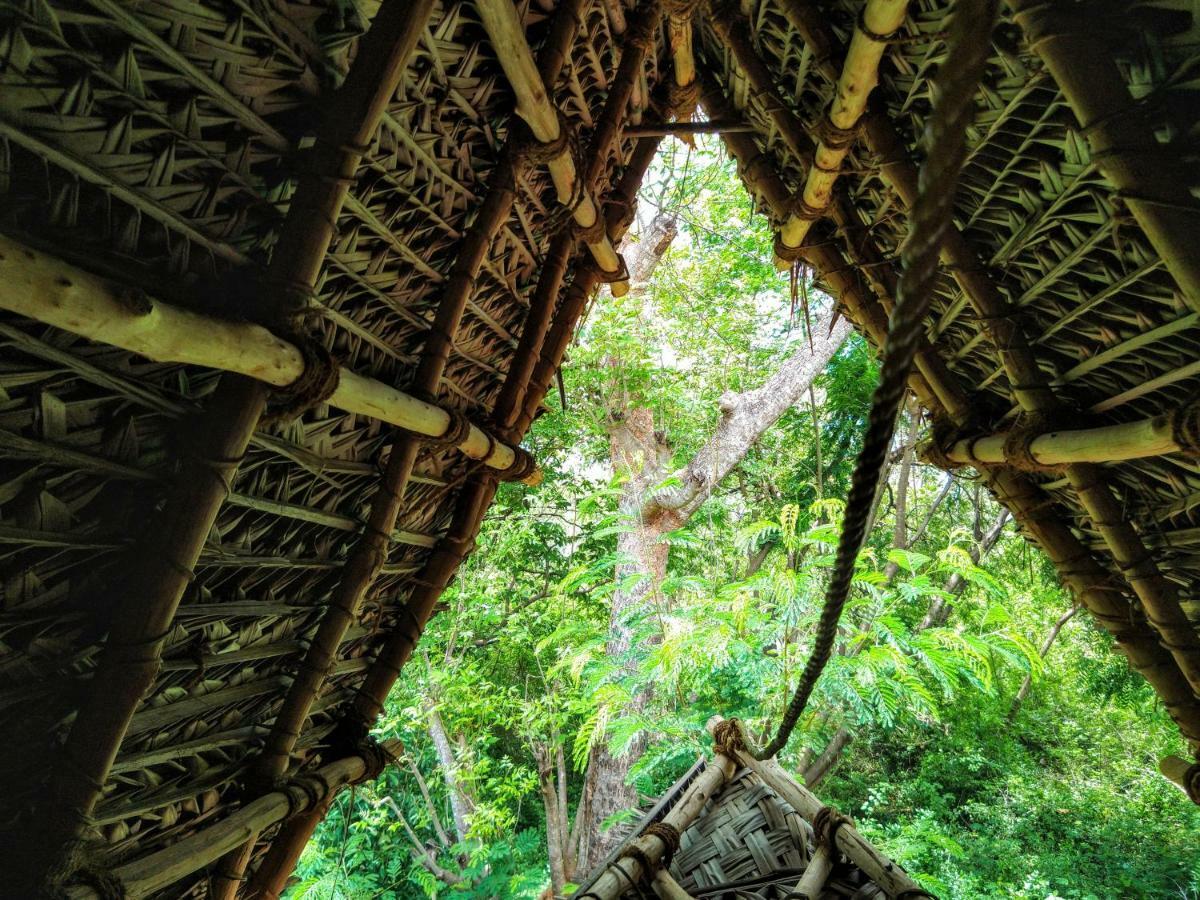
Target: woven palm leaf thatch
point(161, 145)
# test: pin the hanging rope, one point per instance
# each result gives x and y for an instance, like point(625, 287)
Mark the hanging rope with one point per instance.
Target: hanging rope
point(969, 42)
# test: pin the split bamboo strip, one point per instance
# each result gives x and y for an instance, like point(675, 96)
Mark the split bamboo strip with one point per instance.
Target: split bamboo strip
point(881, 870)
point(1121, 130)
point(615, 880)
point(502, 22)
point(52, 292)
point(1154, 436)
point(142, 619)
point(1030, 387)
point(160, 870)
point(859, 75)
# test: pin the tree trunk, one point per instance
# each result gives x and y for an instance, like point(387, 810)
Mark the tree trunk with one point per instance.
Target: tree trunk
point(1027, 684)
point(554, 825)
point(461, 802)
point(643, 456)
point(900, 531)
point(815, 773)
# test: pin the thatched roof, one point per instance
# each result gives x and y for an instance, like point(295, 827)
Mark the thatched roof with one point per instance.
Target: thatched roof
point(195, 152)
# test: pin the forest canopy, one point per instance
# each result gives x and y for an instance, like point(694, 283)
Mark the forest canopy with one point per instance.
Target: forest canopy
point(672, 566)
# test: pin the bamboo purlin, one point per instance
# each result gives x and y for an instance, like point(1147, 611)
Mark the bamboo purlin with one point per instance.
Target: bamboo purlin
point(50, 291)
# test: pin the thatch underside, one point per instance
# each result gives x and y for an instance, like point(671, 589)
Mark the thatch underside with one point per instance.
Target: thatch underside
point(163, 146)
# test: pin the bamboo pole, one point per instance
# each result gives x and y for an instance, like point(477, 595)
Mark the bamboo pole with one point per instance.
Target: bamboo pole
point(615, 880)
point(812, 882)
point(160, 870)
point(859, 75)
point(502, 22)
point(668, 888)
point(132, 653)
point(55, 293)
point(877, 867)
point(1120, 129)
point(1154, 436)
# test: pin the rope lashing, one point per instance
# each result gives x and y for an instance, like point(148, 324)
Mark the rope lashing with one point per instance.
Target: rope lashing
point(1018, 452)
point(315, 385)
point(669, 835)
point(522, 466)
point(967, 52)
point(825, 824)
point(1185, 427)
point(727, 738)
point(786, 253)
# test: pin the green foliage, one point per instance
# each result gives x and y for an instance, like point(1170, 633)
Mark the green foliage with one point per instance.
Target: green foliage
point(1063, 801)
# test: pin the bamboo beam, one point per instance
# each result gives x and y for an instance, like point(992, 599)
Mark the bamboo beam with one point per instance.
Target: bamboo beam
point(1120, 128)
point(1155, 436)
point(129, 662)
point(649, 129)
point(877, 867)
point(160, 870)
point(812, 882)
point(615, 880)
point(859, 75)
point(502, 22)
point(55, 293)
point(680, 35)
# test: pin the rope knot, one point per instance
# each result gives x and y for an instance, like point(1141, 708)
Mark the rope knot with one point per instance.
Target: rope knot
point(669, 835)
point(522, 466)
point(786, 253)
point(1185, 427)
point(826, 823)
point(1018, 452)
point(727, 738)
point(315, 385)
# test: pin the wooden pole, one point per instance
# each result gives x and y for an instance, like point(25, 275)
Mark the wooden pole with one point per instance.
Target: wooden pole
point(877, 867)
point(160, 870)
point(615, 880)
point(502, 22)
point(859, 75)
point(1121, 130)
point(812, 882)
point(132, 653)
point(55, 293)
point(1155, 436)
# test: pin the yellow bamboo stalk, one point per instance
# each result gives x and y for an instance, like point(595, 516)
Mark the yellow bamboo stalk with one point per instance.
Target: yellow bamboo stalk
point(1154, 436)
point(56, 293)
point(503, 25)
point(152, 873)
point(859, 75)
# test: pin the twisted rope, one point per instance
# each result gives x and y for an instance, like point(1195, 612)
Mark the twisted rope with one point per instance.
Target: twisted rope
point(930, 217)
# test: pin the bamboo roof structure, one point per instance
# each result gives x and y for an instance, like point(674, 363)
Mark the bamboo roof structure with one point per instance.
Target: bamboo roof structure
point(283, 284)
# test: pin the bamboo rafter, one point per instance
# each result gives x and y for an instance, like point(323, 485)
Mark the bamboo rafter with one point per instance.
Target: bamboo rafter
point(58, 294)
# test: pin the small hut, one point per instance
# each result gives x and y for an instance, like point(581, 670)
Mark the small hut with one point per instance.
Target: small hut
point(284, 284)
